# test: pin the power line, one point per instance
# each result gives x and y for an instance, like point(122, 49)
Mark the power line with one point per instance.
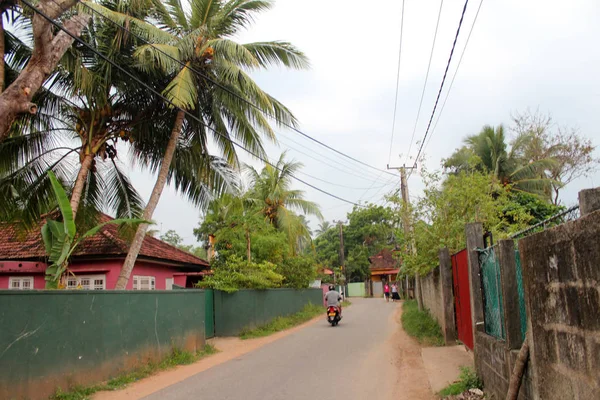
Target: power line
point(331, 165)
point(293, 128)
point(443, 80)
point(455, 73)
point(190, 115)
point(437, 25)
point(397, 83)
point(351, 168)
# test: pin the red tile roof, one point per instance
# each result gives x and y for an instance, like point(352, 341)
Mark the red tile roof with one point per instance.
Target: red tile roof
point(384, 260)
point(17, 245)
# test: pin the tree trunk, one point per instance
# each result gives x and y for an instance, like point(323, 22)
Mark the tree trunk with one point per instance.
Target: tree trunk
point(84, 171)
point(517, 375)
point(48, 49)
point(418, 293)
point(248, 252)
point(1, 50)
point(161, 180)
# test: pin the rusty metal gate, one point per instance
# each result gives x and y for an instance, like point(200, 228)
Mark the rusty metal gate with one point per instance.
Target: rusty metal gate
point(462, 297)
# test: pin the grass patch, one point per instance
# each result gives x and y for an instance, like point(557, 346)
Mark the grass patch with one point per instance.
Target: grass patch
point(282, 323)
point(467, 380)
point(346, 303)
point(176, 358)
point(421, 325)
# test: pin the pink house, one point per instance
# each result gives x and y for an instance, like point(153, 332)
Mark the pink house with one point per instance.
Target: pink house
point(97, 262)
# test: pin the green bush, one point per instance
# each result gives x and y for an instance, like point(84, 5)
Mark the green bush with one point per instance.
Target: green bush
point(421, 325)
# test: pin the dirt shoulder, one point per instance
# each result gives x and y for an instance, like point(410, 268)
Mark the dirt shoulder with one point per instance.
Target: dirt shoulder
point(412, 383)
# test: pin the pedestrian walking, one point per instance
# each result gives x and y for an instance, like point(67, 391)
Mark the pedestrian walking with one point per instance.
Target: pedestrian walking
point(386, 291)
point(395, 295)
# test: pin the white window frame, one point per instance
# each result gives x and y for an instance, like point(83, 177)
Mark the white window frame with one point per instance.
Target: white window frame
point(86, 282)
point(137, 282)
point(20, 280)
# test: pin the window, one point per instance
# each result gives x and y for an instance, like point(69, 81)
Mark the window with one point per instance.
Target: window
point(143, 282)
point(87, 282)
point(20, 283)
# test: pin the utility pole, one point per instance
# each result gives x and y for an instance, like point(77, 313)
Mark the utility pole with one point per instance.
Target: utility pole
point(342, 257)
point(407, 225)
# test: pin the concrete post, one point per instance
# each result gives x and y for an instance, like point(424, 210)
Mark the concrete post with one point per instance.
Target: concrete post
point(449, 322)
point(510, 293)
point(474, 233)
point(589, 201)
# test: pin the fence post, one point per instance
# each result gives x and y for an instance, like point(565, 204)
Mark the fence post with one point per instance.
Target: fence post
point(589, 201)
point(474, 234)
point(449, 322)
point(510, 294)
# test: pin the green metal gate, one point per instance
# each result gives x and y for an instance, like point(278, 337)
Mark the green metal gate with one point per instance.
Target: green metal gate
point(209, 313)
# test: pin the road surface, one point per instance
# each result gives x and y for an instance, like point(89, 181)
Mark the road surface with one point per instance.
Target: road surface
point(366, 356)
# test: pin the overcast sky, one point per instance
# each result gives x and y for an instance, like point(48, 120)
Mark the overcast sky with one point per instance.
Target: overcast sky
point(537, 54)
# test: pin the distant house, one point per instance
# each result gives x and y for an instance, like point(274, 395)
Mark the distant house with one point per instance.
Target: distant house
point(97, 262)
point(384, 268)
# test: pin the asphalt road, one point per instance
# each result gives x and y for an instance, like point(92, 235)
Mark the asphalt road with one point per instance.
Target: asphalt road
point(355, 360)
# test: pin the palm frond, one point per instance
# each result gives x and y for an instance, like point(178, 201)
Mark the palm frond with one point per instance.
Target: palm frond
point(182, 90)
point(165, 56)
point(278, 53)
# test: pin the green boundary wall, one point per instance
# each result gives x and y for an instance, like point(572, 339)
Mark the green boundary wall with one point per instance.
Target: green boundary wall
point(244, 309)
point(51, 339)
point(356, 289)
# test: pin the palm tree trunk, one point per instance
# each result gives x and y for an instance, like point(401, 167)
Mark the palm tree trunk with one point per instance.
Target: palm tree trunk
point(248, 249)
point(161, 180)
point(84, 171)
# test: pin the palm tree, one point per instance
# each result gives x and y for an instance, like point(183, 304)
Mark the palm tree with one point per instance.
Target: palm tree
point(271, 188)
point(199, 41)
point(323, 227)
point(489, 151)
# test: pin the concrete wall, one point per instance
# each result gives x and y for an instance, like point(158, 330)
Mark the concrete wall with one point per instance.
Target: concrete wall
point(245, 309)
point(51, 339)
point(496, 363)
point(431, 289)
point(561, 271)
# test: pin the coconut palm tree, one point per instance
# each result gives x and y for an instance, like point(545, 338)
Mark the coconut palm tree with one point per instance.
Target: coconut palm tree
point(489, 151)
point(323, 227)
point(193, 50)
point(271, 188)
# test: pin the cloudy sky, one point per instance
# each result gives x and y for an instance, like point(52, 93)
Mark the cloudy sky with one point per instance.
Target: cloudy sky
point(537, 54)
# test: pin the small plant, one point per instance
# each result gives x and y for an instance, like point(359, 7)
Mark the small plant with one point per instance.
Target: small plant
point(421, 325)
point(467, 380)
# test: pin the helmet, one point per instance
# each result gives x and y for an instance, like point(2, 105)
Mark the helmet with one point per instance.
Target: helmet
point(331, 287)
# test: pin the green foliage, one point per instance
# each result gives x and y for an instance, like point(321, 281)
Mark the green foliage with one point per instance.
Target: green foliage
point(369, 230)
point(176, 358)
point(421, 325)
point(60, 237)
point(298, 272)
point(467, 380)
point(282, 323)
point(237, 273)
point(449, 204)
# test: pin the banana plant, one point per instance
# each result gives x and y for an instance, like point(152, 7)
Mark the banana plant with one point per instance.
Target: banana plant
point(60, 237)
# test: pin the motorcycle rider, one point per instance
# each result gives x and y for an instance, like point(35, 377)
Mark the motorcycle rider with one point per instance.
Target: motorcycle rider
point(333, 298)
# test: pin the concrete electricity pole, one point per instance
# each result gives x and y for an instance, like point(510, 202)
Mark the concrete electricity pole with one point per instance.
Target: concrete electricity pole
point(407, 225)
point(342, 256)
